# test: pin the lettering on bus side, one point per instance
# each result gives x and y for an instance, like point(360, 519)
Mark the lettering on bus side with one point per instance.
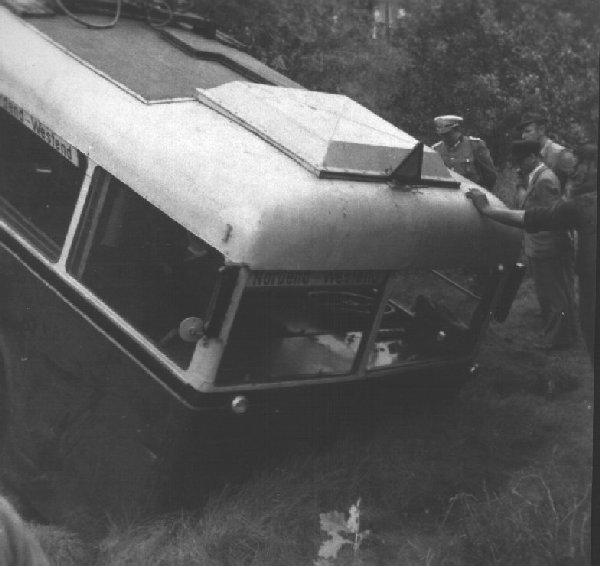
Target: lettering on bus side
point(279, 279)
point(314, 278)
point(40, 129)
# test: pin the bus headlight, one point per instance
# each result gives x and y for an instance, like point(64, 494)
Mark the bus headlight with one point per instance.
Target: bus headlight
point(239, 405)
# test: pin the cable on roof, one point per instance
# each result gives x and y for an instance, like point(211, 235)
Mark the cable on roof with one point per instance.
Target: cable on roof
point(150, 7)
point(91, 25)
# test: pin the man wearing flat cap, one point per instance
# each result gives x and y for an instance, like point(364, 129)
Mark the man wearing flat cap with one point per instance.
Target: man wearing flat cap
point(467, 155)
point(578, 212)
point(561, 160)
point(549, 254)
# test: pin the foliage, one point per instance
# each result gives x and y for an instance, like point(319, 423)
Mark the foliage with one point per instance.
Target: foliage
point(340, 532)
point(487, 60)
point(323, 44)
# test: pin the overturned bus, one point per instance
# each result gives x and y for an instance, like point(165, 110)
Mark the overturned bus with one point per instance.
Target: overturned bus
point(193, 247)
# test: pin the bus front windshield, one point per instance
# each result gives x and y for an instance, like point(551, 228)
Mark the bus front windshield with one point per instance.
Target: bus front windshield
point(294, 326)
point(292, 331)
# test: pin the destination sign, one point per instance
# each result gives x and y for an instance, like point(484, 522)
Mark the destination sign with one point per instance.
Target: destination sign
point(40, 129)
point(315, 278)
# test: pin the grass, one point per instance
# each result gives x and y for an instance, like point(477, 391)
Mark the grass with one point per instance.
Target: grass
point(501, 475)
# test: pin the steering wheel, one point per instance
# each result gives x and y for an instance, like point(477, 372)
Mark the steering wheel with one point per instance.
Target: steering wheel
point(345, 302)
point(342, 301)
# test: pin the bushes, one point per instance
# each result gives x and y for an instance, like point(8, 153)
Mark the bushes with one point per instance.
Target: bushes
point(489, 59)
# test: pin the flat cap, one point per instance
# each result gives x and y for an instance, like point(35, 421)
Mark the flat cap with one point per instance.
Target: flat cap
point(444, 124)
point(533, 118)
point(524, 148)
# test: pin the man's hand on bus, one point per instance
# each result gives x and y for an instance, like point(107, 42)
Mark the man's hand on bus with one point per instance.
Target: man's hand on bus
point(479, 199)
point(497, 213)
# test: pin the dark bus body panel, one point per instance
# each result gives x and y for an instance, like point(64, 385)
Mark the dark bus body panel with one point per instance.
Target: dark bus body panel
point(81, 409)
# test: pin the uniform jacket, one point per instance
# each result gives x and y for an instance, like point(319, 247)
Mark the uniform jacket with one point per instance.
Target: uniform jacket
point(543, 190)
point(469, 157)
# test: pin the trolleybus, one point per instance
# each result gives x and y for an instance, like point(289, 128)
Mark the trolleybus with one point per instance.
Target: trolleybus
point(193, 246)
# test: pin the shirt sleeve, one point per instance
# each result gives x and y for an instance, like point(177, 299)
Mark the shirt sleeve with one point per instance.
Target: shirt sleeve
point(564, 215)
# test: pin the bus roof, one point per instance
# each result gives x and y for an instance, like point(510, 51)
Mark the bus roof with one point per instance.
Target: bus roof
point(233, 182)
point(157, 65)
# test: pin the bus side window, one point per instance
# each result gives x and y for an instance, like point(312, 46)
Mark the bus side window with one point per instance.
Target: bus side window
point(149, 269)
point(38, 185)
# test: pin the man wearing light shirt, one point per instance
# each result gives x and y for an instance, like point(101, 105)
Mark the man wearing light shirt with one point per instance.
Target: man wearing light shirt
point(549, 254)
point(579, 212)
point(561, 160)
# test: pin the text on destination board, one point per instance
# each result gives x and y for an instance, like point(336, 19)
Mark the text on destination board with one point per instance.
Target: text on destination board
point(314, 278)
point(40, 129)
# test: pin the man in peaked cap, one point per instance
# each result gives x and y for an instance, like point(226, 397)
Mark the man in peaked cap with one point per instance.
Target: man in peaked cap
point(534, 126)
point(549, 254)
point(467, 155)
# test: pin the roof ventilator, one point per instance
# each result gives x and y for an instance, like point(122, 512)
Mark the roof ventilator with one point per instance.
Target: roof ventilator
point(409, 170)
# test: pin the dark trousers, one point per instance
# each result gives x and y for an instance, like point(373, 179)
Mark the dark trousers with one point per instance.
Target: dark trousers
point(554, 283)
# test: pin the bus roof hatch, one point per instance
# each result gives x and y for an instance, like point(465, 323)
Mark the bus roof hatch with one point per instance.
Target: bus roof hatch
point(329, 134)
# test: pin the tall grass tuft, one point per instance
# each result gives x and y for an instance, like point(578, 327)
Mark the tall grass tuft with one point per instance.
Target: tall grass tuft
point(63, 547)
point(537, 520)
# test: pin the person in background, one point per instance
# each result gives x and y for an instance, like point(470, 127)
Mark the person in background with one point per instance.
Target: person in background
point(534, 127)
point(549, 254)
point(581, 140)
point(579, 213)
point(467, 155)
point(18, 546)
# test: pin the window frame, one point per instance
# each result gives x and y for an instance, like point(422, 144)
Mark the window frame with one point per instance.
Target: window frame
point(31, 234)
point(85, 229)
point(359, 361)
point(198, 373)
point(477, 325)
